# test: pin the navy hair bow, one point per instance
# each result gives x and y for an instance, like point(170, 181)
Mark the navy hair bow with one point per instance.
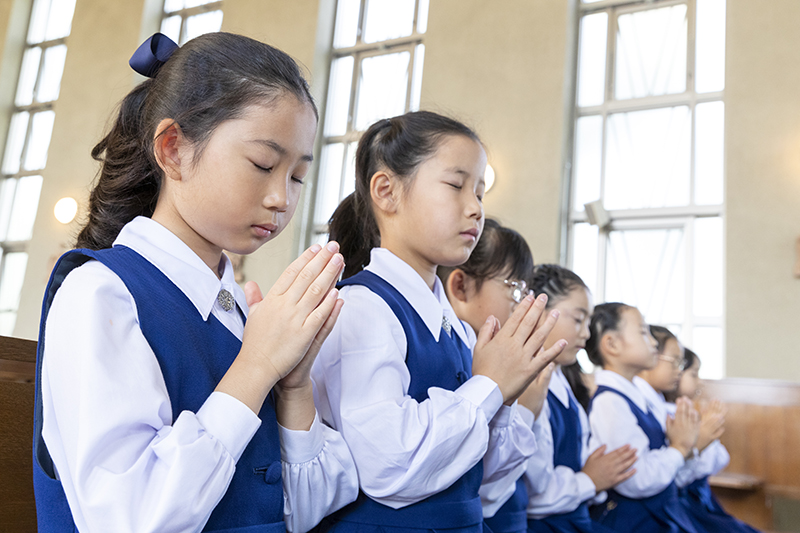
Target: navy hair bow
point(152, 54)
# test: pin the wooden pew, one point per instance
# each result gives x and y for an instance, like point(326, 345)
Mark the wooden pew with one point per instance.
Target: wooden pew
point(17, 374)
point(762, 434)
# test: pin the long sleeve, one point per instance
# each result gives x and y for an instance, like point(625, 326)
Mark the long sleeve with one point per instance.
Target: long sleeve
point(125, 465)
point(613, 424)
point(319, 476)
point(404, 450)
point(496, 489)
point(554, 489)
point(710, 461)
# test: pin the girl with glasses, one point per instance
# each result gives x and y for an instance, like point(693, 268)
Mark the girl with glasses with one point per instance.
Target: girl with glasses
point(491, 283)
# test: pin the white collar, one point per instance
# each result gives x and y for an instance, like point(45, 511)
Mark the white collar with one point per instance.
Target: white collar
point(651, 395)
point(615, 381)
point(173, 257)
point(559, 386)
point(430, 305)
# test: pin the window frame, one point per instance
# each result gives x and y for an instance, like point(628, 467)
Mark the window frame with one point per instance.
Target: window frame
point(682, 216)
point(359, 51)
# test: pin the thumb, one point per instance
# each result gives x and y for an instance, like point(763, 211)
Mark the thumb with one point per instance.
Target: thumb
point(546, 374)
point(252, 293)
point(487, 331)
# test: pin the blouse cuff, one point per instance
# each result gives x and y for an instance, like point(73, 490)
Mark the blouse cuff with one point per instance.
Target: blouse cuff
point(483, 392)
point(674, 457)
point(504, 416)
point(229, 421)
point(586, 487)
point(526, 414)
point(299, 446)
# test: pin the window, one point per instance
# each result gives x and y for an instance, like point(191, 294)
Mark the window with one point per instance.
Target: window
point(186, 19)
point(376, 72)
point(28, 141)
point(648, 144)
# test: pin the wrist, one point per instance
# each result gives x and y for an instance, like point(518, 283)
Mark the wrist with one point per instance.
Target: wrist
point(685, 451)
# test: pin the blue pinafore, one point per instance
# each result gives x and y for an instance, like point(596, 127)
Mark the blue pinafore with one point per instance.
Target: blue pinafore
point(706, 511)
point(446, 364)
point(565, 423)
point(660, 513)
point(512, 516)
point(193, 355)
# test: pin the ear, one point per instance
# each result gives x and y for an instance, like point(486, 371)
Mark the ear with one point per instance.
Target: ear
point(609, 344)
point(385, 191)
point(457, 286)
point(167, 143)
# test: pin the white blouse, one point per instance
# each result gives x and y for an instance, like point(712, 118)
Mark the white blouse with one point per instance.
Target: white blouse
point(613, 423)
point(404, 450)
point(124, 463)
point(557, 489)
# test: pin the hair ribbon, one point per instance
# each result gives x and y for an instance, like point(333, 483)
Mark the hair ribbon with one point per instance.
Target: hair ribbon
point(152, 54)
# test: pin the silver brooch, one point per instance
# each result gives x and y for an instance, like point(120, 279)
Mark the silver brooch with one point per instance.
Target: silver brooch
point(225, 299)
point(446, 326)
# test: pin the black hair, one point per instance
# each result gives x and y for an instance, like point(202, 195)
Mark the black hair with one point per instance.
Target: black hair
point(210, 79)
point(500, 251)
point(606, 317)
point(662, 335)
point(399, 145)
point(557, 282)
point(689, 358)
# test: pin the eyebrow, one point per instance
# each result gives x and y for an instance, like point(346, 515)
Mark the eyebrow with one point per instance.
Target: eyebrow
point(280, 149)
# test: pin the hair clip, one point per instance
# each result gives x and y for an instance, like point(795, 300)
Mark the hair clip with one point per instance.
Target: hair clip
point(148, 59)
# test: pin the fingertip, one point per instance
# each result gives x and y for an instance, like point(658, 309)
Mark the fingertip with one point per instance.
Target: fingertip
point(315, 248)
point(332, 246)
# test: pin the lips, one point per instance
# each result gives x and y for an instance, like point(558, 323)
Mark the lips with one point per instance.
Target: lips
point(265, 230)
point(473, 232)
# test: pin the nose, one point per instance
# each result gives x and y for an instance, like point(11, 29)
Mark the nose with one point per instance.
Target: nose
point(276, 196)
point(474, 208)
point(585, 333)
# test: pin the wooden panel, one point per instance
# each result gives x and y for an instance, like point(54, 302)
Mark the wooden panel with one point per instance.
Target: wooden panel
point(13, 349)
point(17, 508)
point(762, 435)
point(17, 372)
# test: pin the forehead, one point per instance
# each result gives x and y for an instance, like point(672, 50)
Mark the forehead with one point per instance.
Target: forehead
point(631, 317)
point(458, 154)
point(286, 120)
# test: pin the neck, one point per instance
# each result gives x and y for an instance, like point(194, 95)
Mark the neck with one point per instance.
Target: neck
point(623, 370)
point(205, 250)
point(421, 266)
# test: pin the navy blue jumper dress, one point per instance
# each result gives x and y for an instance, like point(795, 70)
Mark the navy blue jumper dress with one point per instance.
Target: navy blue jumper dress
point(193, 355)
point(446, 364)
point(565, 425)
point(660, 513)
point(706, 511)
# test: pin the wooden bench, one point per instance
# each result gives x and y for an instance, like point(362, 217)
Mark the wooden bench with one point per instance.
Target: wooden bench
point(17, 374)
point(762, 434)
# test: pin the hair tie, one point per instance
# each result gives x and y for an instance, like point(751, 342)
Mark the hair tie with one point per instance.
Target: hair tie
point(148, 59)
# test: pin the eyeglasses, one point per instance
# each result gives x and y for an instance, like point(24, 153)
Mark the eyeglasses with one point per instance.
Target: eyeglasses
point(677, 364)
point(519, 289)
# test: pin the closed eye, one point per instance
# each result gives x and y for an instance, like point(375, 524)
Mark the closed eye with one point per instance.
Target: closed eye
point(297, 180)
point(262, 169)
point(453, 185)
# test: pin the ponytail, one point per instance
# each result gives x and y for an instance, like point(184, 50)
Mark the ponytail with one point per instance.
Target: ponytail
point(574, 374)
point(398, 145)
point(129, 179)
